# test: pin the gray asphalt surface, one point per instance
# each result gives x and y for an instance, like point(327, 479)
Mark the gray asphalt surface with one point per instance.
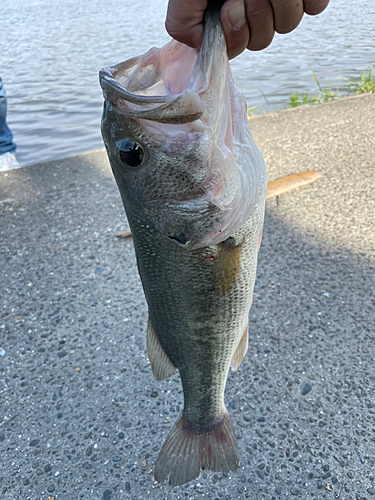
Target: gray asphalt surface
point(80, 413)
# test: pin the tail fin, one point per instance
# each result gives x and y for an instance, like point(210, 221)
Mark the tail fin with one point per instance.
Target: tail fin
point(186, 451)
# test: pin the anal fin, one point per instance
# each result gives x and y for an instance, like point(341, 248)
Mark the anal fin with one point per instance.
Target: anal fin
point(161, 366)
point(241, 349)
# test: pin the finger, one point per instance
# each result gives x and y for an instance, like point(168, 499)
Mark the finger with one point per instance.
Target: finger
point(314, 7)
point(287, 14)
point(260, 19)
point(184, 21)
point(236, 29)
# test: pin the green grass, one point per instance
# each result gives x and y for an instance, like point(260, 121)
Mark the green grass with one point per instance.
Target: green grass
point(300, 100)
point(250, 110)
point(366, 83)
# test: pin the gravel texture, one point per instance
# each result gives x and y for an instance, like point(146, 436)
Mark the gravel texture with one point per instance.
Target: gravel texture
point(81, 416)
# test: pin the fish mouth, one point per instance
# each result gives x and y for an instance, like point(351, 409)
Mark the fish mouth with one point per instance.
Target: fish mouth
point(132, 86)
point(109, 83)
point(167, 85)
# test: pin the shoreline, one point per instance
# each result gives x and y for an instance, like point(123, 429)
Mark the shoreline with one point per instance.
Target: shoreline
point(249, 117)
point(330, 102)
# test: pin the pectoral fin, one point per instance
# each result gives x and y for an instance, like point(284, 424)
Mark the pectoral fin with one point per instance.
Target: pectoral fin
point(227, 266)
point(161, 366)
point(241, 350)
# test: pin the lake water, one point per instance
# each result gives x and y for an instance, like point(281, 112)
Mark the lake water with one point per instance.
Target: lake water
point(52, 50)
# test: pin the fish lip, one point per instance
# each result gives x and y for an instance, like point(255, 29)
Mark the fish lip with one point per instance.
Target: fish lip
point(110, 84)
point(175, 109)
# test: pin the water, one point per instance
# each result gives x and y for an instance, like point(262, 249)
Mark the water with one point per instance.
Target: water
point(52, 50)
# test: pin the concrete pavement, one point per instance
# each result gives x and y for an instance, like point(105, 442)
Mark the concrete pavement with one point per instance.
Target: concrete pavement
point(80, 413)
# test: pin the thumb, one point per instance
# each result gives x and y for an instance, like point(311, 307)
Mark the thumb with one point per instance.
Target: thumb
point(235, 26)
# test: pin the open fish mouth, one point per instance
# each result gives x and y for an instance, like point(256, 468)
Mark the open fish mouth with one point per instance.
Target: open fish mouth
point(174, 84)
point(146, 87)
point(108, 82)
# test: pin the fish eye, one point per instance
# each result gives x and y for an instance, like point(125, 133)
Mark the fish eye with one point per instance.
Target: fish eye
point(130, 153)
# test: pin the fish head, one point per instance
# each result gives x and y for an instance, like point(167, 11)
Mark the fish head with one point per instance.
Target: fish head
point(175, 129)
point(157, 161)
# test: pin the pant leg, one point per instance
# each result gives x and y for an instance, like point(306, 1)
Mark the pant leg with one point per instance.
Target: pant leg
point(6, 136)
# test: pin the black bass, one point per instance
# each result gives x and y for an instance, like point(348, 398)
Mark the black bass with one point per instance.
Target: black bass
point(193, 184)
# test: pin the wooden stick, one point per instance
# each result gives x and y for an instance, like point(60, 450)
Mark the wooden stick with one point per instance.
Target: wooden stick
point(275, 188)
point(125, 234)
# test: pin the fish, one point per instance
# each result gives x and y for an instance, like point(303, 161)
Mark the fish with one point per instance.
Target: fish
point(193, 184)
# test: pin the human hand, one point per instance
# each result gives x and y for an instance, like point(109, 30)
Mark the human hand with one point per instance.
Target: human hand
point(246, 23)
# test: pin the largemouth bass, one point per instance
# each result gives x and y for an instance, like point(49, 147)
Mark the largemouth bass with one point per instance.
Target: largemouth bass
point(193, 184)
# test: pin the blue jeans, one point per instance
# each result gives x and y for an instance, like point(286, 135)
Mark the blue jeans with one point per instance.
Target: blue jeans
point(6, 137)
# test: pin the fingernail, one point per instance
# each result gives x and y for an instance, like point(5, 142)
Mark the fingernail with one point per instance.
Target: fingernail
point(237, 15)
